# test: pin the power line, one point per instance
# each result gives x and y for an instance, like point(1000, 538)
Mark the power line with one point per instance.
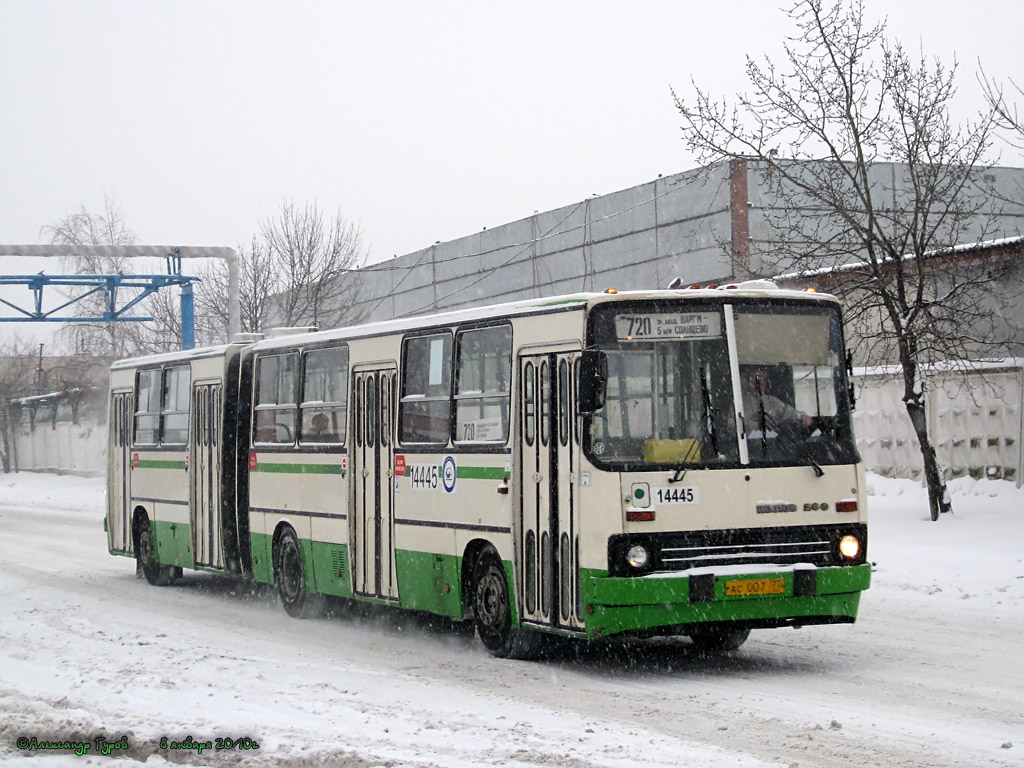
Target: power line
point(700, 175)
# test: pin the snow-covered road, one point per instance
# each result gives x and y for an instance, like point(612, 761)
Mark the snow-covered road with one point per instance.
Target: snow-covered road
point(930, 675)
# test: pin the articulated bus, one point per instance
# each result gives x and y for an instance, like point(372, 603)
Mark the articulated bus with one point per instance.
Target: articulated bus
point(674, 462)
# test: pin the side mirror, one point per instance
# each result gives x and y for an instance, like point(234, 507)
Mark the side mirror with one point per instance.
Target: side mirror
point(593, 380)
point(849, 371)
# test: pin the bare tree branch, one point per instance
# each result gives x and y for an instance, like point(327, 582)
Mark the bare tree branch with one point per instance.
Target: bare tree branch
point(849, 106)
point(295, 271)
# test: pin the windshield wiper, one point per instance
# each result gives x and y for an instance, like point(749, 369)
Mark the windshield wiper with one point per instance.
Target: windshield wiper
point(788, 438)
point(709, 411)
point(707, 428)
point(762, 420)
point(794, 445)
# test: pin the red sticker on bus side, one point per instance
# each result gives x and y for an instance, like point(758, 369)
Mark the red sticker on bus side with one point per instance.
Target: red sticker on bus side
point(400, 465)
point(252, 459)
point(135, 460)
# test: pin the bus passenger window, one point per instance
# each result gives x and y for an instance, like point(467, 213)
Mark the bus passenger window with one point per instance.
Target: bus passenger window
point(426, 390)
point(484, 370)
point(563, 402)
point(530, 403)
point(274, 412)
point(324, 396)
point(545, 403)
point(174, 411)
point(147, 407)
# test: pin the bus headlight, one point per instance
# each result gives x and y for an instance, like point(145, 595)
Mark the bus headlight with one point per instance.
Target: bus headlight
point(849, 547)
point(638, 556)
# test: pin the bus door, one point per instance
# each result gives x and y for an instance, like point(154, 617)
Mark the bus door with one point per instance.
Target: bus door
point(372, 452)
point(119, 472)
point(548, 519)
point(204, 475)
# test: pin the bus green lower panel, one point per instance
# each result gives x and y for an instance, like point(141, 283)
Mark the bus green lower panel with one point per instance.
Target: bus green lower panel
point(173, 544)
point(324, 563)
point(615, 605)
point(429, 582)
point(261, 551)
point(330, 568)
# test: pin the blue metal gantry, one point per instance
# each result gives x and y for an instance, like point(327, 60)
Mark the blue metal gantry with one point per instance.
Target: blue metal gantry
point(121, 292)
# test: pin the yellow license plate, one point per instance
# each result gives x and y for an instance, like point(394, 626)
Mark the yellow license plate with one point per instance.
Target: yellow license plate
point(755, 587)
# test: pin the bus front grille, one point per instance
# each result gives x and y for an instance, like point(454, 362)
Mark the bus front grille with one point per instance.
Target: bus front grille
point(679, 551)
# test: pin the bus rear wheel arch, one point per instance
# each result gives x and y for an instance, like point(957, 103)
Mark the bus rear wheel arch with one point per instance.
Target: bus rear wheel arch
point(290, 576)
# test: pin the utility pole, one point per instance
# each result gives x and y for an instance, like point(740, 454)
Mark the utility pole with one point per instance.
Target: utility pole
point(39, 371)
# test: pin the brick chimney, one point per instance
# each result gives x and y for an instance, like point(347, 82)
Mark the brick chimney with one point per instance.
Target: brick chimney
point(739, 214)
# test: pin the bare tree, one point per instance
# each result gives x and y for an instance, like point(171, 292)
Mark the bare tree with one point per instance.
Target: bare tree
point(258, 281)
point(85, 228)
point(117, 339)
point(822, 126)
point(1007, 114)
point(295, 271)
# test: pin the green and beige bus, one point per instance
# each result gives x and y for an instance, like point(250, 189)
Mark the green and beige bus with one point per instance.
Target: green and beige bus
point(674, 462)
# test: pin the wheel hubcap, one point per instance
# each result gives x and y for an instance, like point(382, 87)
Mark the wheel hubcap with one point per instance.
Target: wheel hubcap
point(290, 572)
point(145, 548)
point(491, 601)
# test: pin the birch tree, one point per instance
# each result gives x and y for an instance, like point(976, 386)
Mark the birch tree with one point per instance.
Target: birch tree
point(86, 228)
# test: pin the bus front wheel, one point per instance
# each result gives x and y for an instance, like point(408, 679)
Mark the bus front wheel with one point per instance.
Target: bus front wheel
point(492, 613)
point(290, 577)
point(716, 639)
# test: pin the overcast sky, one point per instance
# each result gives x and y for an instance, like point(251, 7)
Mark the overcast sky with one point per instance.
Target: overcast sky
point(421, 121)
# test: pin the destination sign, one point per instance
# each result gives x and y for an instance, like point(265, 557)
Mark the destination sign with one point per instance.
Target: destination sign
point(683, 326)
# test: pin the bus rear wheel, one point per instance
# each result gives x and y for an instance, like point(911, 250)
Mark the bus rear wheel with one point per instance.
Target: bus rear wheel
point(290, 577)
point(492, 613)
point(145, 555)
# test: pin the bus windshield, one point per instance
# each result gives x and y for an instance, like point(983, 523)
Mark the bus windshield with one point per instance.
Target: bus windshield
point(793, 397)
point(670, 400)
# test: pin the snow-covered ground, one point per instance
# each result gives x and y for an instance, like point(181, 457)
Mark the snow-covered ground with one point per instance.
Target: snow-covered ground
point(930, 675)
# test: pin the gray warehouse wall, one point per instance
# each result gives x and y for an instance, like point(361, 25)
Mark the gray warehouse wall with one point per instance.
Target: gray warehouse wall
point(637, 238)
point(706, 225)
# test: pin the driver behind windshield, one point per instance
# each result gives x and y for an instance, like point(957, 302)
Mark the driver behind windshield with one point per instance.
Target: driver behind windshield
point(759, 402)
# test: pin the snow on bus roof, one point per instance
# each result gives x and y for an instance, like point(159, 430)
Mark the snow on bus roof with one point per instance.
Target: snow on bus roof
point(566, 302)
point(174, 357)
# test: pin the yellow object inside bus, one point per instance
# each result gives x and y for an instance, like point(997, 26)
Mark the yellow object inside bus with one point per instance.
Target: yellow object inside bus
point(672, 451)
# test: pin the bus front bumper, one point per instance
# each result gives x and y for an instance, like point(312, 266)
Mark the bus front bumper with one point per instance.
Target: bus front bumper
point(668, 603)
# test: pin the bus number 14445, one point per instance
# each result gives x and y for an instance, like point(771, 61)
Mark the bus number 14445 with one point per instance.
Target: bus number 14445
point(677, 495)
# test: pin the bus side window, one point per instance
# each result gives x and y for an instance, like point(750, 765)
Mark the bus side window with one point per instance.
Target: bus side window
point(483, 373)
point(563, 402)
point(147, 407)
point(276, 390)
point(529, 404)
point(323, 410)
point(545, 402)
point(175, 404)
point(425, 412)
